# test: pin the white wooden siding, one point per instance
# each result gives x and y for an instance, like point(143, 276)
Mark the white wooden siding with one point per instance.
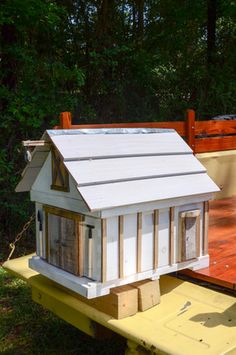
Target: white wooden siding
point(90, 172)
point(140, 191)
point(75, 147)
point(32, 169)
point(41, 192)
point(147, 241)
point(163, 238)
point(96, 254)
point(112, 249)
point(130, 244)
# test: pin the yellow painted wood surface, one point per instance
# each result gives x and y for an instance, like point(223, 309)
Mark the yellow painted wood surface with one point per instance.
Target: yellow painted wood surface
point(189, 320)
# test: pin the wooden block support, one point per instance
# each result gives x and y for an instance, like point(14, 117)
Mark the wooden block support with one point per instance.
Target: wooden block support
point(122, 302)
point(148, 293)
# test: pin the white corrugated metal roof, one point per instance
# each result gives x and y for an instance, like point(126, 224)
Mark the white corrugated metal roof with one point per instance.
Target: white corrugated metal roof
point(114, 169)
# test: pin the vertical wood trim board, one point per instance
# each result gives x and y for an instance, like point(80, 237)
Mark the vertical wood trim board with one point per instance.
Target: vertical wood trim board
point(171, 236)
point(205, 227)
point(104, 250)
point(121, 247)
point(155, 239)
point(139, 241)
point(80, 236)
point(47, 237)
point(198, 235)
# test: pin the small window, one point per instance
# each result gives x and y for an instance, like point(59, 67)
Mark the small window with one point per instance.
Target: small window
point(189, 235)
point(60, 178)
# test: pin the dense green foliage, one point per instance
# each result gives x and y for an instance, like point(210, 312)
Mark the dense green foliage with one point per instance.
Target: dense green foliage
point(107, 61)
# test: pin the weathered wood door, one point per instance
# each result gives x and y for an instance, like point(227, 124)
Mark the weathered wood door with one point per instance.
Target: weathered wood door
point(63, 236)
point(69, 245)
point(189, 235)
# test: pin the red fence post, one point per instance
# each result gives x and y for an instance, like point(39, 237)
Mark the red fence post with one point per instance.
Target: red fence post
point(65, 120)
point(190, 128)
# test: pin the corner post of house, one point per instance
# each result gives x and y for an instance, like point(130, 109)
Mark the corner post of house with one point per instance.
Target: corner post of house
point(65, 120)
point(190, 128)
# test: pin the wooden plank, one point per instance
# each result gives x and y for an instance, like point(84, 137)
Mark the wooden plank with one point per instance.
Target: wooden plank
point(141, 191)
point(148, 294)
point(97, 146)
point(121, 247)
point(205, 227)
point(104, 249)
point(68, 245)
point(139, 241)
point(147, 241)
point(130, 244)
point(80, 236)
point(198, 237)
point(65, 120)
point(112, 248)
point(215, 127)
point(179, 126)
point(40, 143)
point(189, 234)
point(214, 144)
point(61, 212)
point(171, 236)
point(90, 172)
point(155, 239)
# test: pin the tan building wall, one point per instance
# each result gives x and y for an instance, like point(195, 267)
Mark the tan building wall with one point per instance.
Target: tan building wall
point(221, 167)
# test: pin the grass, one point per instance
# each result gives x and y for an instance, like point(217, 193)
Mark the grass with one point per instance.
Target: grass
point(26, 328)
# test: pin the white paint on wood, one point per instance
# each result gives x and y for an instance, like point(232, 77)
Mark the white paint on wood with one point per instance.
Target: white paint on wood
point(86, 288)
point(41, 191)
point(112, 252)
point(87, 146)
point(32, 169)
point(130, 244)
point(92, 252)
point(149, 206)
point(117, 194)
point(90, 172)
point(163, 238)
point(147, 241)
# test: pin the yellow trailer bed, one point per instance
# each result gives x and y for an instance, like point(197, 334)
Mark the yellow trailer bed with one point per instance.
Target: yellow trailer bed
point(189, 320)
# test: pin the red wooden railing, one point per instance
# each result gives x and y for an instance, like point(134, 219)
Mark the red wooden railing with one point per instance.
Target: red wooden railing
point(201, 136)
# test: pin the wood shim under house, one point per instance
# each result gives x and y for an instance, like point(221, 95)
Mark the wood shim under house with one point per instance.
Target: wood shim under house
point(116, 206)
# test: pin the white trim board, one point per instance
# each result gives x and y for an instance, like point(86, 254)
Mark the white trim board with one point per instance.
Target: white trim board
point(92, 289)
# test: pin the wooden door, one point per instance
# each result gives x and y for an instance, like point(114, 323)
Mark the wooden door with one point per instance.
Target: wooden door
point(64, 236)
point(189, 235)
point(53, 235)
point(69, 245)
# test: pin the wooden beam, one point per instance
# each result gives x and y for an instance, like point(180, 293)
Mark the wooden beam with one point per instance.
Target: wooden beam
point(205, 227)
point(214, 144)
point(139, 241)
point(212, 127)
point(190, 128)
point(171, 235)
point(121, 247)
point(40, 143)
point(155, 239)
point(65, 120)
point(104, 250)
